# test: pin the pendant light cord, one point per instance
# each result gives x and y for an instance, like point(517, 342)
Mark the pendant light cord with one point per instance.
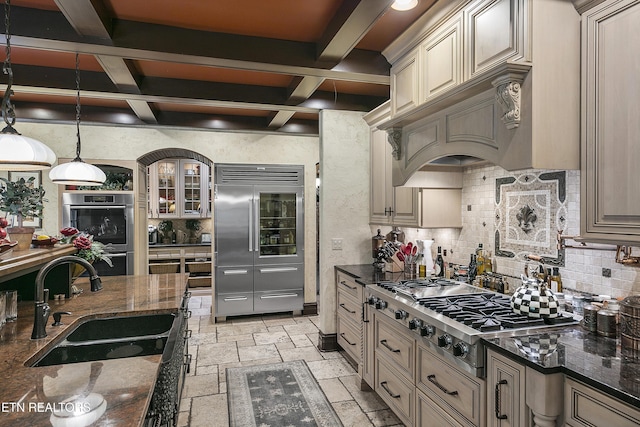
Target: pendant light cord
point(78, 107)
point(8, 112)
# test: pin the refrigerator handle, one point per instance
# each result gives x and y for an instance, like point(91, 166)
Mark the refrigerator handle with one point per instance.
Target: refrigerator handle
point(256, 210)
point(250, 225)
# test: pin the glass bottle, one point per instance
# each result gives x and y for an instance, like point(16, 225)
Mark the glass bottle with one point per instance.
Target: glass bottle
point(480, 260)
point(440, 262)
point(556, 280)
point(473, 268)
point(488, 263)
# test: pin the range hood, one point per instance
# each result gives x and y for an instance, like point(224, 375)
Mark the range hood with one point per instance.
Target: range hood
point(460, 101)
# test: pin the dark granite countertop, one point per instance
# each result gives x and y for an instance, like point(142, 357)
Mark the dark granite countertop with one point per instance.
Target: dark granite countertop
point(28, 395)
point(592, 359)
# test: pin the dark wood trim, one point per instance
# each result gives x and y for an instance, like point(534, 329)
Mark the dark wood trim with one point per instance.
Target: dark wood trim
point(310, 309)
point(327, 342)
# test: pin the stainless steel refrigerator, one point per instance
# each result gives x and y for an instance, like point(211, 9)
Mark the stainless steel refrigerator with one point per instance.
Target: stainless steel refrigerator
point(259, 239)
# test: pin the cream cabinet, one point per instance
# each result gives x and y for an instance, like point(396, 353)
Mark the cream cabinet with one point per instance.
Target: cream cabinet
point(349, 296)
point(405, 84)
point(506, 405)
point(194, 260)
point(441, 60)
point(496, 31)
point(610, 206)
point(394, 363)
point(388, 204)
point(179, 189)
point(587, 407)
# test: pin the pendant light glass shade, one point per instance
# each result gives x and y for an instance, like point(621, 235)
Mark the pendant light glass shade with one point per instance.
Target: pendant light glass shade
point(21, 153)
point(404, 4)
point(17, 152)
point(77, 172)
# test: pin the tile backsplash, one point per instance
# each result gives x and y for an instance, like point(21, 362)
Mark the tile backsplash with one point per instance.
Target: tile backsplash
point(583, 269)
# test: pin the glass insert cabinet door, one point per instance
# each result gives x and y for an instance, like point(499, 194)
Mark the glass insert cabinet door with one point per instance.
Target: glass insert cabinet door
point(167, 188)
point(192, 186)
point(278, 224)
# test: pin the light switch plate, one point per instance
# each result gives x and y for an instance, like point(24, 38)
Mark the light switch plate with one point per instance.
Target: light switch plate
point(336, 244)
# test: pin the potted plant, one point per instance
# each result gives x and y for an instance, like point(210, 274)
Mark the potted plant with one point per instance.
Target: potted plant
point(166, 228)
point(193, 225)
point(24, 200)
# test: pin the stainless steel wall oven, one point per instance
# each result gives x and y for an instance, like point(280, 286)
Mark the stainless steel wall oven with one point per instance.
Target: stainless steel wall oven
point(109, 218)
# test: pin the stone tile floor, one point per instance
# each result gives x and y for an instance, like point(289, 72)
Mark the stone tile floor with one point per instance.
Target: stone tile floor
point(254, 340)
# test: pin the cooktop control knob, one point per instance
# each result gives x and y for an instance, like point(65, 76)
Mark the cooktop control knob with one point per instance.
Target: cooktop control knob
point(371, 300)
point(445, 341)
point(460, 349)
point(381, 304)
point(415, 323)
point(427, 331)
point(401, 314)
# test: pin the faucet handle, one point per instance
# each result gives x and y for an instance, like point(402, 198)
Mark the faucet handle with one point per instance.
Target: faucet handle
point(57, 316)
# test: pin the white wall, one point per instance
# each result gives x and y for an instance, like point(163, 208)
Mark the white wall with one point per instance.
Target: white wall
point(129, 143)
point(344, 202)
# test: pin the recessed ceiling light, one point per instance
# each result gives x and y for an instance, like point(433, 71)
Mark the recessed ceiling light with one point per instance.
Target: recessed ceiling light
point(404, 4)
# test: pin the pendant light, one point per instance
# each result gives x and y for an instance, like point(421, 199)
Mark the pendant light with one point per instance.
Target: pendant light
point(404, 4)
point(17, 152)
point(77, 172)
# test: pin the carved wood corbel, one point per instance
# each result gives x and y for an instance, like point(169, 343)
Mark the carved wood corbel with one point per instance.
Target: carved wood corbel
point(508, 96)
point(394, 137)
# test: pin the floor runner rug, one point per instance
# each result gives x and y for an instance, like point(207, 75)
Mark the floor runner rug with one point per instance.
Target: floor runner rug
point(277, 395)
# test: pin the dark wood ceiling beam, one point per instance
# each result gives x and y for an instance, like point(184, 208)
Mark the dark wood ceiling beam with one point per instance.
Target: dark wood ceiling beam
point(49, 30)
point(88, 17)
point(28, 111)
point(348, 26)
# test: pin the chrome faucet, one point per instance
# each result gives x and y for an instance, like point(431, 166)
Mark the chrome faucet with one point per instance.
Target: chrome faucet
point(42, 309)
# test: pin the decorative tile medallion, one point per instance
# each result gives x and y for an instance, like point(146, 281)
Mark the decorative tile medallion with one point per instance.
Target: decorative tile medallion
point(530, 209)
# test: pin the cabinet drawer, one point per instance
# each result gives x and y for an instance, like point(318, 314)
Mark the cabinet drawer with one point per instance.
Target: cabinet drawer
point(393, 343)
point(271, 278)
point(274, 301)
point(395, 390)
point(234, 304)
point(347, 284)
point(234, 279)
point(349, 338)
point(348, 307)
point(586, 407)
point(456, 390)
point(429, 414)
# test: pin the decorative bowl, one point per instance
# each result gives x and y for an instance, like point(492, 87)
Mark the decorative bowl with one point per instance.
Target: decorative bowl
point(6, 247)
point(39, 243)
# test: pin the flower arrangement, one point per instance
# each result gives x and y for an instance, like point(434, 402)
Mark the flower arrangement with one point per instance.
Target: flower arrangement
point(21, 198)
point(87, 248)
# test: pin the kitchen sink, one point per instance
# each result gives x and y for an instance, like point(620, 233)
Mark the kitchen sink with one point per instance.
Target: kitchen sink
point(122, 327)
point(113, 338)
point(102, 350)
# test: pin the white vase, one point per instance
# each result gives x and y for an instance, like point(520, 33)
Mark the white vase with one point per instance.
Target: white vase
point(427, 258)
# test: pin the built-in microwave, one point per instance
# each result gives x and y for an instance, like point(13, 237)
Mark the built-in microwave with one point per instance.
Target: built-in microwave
point(109, 218)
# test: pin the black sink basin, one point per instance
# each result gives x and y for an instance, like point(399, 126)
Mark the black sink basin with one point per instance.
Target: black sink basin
point(102, 350)
point(122, 327)
point(114, 338)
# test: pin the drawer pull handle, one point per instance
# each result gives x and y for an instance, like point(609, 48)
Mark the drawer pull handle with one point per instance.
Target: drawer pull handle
point(345, 284)
point(383, 384)
point(352, 312)
point(432, 379)
point(384, 343)
point(345, 338)
point(498, 410)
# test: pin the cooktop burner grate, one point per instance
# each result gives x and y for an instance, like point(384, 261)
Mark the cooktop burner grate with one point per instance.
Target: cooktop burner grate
point(486, 312)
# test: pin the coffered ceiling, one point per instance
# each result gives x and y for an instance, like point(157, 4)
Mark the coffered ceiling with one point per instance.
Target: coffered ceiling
point(259, 65)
